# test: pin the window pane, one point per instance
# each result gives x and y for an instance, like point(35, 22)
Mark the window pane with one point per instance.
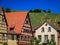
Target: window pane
point(42, 29)
point(3, 36)
point(45, 38)
point(12, 28)
point(49, 29)
point(53, 37)
point(39, 37)
point(12, 37)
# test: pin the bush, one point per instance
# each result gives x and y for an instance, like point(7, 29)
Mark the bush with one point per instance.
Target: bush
point(5, 44)
point(52, 42)
point(8, 10)
point(34, 41)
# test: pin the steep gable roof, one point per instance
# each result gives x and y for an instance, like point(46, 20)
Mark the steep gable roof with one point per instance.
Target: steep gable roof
point(16, 20)
point(53, 26)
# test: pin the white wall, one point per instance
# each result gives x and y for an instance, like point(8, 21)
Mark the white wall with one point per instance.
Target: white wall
point(53, 31)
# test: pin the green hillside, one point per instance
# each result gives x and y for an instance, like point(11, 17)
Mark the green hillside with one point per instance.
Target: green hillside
point(38, 18)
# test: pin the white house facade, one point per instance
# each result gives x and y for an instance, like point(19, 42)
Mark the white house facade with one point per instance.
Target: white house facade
point(46, 32)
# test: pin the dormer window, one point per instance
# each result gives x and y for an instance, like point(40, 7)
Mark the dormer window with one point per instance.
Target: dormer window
point(49, 29)
point(42, 29)
point(11, 28)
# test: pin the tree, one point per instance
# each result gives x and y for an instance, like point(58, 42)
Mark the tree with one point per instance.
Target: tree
point(52, 42)
point(8, 10)
point(49, 11)
point(31, 41)
point(5, 44)
point(44, 11)
point(36, 10)
point(31, 11)
point(37, 41)
point(34, 41)
point(48, 42)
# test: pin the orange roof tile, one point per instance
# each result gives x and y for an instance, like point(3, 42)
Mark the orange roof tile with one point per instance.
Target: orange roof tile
point(15, 19)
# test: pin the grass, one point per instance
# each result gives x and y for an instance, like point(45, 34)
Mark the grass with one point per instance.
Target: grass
point(38, 18)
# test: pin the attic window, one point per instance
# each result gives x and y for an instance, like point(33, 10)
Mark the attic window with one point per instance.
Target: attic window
point(26, 22)
point(11, 28)
point(49, 29)
point(42, 29)
point(45, 24)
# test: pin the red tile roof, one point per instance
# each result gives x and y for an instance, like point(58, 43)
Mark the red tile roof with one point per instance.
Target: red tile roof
point(16, 20)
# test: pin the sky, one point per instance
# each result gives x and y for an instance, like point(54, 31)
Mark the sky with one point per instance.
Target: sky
point(26, 5)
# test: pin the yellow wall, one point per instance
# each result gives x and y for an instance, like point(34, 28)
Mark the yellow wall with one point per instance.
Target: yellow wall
point(12, 42)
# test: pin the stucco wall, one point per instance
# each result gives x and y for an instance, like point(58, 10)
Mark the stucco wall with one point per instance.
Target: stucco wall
point(12, 42)
point(53, 32)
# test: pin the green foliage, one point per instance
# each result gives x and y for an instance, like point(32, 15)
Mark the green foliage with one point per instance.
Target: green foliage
point(36, 18)
point(5, 44)
point(48, 42)
point(34, 41)
point(52, 42)
point(36, 10)
point(8, 10)
point(31, 11)
point(49, 11)
point(31, 41)
point(44, 11)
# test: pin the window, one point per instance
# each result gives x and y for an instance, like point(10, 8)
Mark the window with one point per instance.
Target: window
point(45, 24)
point(27, 31)
point(39, 37)
point(21, 37)
point(24, 30)
point(42, 29)
point(9, 36)
point(12, 37)
point(11, 28)
point(30, 31)
point(53, 37)
point(3, 20)
point(26, 21)
point(3, 36)
point(49, 29)
point(17, 37)
point(25, 36)
point(45, 38)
